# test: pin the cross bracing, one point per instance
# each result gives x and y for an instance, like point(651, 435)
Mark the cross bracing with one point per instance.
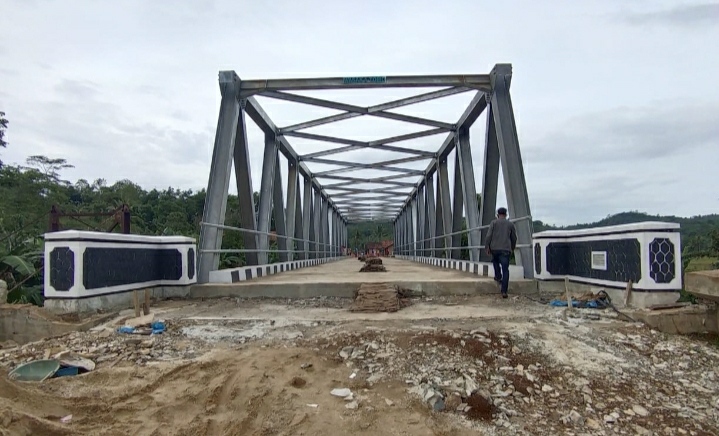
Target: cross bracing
point(329, 187)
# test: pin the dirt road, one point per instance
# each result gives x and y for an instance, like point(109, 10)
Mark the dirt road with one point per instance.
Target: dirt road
point(225, 369)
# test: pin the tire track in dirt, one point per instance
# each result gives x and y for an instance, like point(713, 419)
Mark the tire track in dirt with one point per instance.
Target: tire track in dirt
point(220, 401)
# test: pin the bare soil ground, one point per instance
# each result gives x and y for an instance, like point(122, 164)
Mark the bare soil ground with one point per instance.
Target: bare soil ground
point(447, 371)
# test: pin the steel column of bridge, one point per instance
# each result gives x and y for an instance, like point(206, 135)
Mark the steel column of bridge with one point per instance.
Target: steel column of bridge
point(294, 220)
point(469, 192)
point(515, 184)
point(430, 221)
point(457, 209)
point(430, 216)
point(317, 222)
point(266, 195)
point(444, 209)
point(490, 178)
point(307, 220)
point(219, 183)
point(421, 216)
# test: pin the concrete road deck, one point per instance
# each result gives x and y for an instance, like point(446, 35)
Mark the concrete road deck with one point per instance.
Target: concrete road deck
point(342, 278)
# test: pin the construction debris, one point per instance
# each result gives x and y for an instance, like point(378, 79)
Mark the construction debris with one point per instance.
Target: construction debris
point(374, 261)
point(379, 297)
point(368, 267)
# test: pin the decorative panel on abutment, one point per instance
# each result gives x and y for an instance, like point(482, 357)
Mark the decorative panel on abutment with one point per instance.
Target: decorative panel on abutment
point(88, 264)
point(647, 254)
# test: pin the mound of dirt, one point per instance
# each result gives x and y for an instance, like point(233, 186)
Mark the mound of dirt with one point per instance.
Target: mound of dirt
point(373, 268)
point(374, 261)
point(378, 297)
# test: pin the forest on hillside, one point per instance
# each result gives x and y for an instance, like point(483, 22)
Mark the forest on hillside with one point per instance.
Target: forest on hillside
point(29, 191)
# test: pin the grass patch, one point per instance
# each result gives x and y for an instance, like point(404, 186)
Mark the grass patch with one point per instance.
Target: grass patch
point(702, 264)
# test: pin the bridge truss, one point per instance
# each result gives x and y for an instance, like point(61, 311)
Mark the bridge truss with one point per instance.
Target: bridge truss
point(429, 215)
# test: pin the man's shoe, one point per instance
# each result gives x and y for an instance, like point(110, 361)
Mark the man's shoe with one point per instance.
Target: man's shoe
point(504, 295)
point(498, 280)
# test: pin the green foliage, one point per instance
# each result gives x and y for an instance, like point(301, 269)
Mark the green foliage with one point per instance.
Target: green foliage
point(3, 127)
point(360, 234)
point(17, 265)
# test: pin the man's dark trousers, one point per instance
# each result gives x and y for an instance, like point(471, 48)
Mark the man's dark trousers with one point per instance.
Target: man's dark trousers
point(501, 259)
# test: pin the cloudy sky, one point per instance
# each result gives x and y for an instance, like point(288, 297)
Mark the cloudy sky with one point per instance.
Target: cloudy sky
point(617, 101)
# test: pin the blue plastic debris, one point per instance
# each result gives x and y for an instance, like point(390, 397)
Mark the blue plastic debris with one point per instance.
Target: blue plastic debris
point(126, 329)
point(158, 327)
point(601, 301)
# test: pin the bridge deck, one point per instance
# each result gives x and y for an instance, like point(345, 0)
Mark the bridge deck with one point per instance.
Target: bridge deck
point(342, 278)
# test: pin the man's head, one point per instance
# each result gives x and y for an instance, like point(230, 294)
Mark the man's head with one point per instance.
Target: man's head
point(502, 212)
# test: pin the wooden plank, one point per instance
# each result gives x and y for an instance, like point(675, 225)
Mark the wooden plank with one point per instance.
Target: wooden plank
point(628, 293)
point(569, 296)
point(146, 305)
point(668, 306)
point(136, 302)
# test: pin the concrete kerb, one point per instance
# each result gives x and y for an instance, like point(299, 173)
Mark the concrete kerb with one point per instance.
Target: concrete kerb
point(348, 289)
point(110, 302)
point(343, 279)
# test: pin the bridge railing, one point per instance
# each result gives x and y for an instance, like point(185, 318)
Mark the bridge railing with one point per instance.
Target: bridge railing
point(414, 248)
point(327, 249)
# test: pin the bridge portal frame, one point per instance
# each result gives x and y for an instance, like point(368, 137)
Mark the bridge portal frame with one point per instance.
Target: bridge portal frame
point(428, 220)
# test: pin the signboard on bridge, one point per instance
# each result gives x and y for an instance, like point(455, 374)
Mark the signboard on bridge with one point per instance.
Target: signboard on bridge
point(356, 80)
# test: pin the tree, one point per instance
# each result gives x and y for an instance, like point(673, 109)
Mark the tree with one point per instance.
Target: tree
point(3, 128)
point(715, 243)
point(49, 167)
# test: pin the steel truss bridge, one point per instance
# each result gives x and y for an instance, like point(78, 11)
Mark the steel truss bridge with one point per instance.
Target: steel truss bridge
point(429, 214)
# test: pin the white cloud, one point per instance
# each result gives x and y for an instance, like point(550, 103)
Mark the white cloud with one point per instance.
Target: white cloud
point(614, 104)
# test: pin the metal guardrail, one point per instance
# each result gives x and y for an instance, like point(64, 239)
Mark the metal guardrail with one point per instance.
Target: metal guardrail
point(413, 245)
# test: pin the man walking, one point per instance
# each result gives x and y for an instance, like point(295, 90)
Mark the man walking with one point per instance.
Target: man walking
point(500, 242)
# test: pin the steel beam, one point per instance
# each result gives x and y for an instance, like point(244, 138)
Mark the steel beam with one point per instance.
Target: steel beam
point(405, 171)
point(353, 181)
point(445, 211)
point(477, 81)
point(219, 180)
point(490, 179)
point(457, 209)
point(243, 178)
point(415, 232)
point(317, 220)
point(380, 144)
point(382, 165)
point(352, 108)
point(278, 210)
point(307, 220)
point(421, 220)
point(469, 116)
point(515, 184)
point(325, 228)
point(263, 121)
point(439, 242)
point(431, 216)
point(299, 223)
point(381, 107)
point(292, 204)
point(419, 98)
point(469, 191)
point(266, 196)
